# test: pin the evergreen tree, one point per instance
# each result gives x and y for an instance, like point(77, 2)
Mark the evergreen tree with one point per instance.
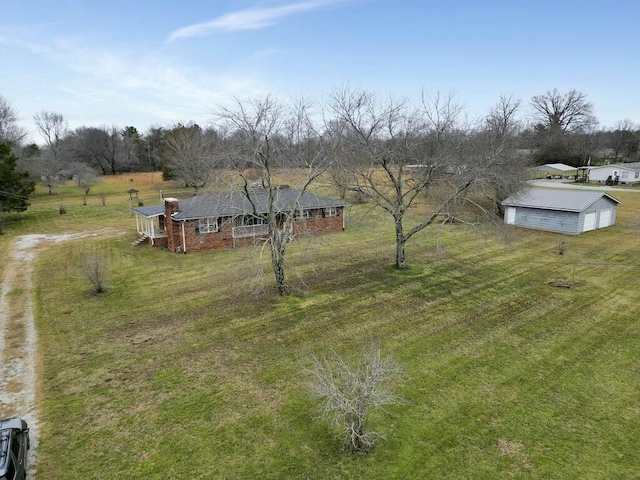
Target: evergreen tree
point(15, 187)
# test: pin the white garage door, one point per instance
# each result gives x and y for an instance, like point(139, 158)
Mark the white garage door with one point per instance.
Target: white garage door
point(605, 218)
point(589, 221)
point(510, 215)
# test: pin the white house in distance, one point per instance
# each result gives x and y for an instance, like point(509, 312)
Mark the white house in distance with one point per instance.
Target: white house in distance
point(625, 173)
point(564, 211)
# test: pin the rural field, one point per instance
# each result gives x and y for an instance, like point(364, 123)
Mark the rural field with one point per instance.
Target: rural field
point(191, 367)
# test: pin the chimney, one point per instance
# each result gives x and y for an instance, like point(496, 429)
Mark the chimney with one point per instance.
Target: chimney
point(170, 207)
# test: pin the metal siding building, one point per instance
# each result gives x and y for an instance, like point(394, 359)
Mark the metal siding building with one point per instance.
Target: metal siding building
point(562, 211)
point(626, 173)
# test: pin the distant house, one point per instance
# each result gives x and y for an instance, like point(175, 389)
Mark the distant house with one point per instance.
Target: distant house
point(555, 170)
point(226, 220)
point(564, 211)
point(624, 173)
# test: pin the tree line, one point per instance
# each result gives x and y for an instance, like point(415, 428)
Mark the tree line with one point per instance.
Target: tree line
point(399, 155)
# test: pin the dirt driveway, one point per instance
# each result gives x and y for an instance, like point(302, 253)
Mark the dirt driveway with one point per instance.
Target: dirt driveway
point(18, 340)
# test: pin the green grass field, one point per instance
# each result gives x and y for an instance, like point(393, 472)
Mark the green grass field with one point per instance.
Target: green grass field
point(191, 367)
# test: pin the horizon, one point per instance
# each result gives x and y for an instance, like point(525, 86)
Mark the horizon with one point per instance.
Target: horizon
point(148, 64)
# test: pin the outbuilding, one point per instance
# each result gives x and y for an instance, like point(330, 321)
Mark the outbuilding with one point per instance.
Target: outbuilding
point(561, 210)
point(558, 171)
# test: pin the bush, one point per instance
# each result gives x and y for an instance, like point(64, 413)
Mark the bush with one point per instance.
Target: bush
point(350, 392)
point(95, 270)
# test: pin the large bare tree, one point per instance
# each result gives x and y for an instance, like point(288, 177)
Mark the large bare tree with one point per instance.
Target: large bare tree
point(100, 147)
point(560, 113)
point(408, 153)
point(49, 164)
point(264, 137)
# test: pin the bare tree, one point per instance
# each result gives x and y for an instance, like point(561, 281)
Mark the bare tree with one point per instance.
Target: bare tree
point(101, 148)
point(505, 170)
point(409, 153)
point(52, 127)
point(95, 271)
point(265, 136)
point(350, 391)
point(10, 131)
point(85, 177)
point(624, 140)
point(191, 155)
point(561, 113)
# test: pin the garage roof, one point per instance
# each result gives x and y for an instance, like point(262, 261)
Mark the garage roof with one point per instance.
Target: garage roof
point(550, 199)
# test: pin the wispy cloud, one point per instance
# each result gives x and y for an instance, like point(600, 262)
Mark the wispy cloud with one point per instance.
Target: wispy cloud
point(249, 19)
point(100, 85)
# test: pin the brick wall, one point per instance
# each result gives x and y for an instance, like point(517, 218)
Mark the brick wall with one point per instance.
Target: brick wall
point(172, 228)
point(199, 242)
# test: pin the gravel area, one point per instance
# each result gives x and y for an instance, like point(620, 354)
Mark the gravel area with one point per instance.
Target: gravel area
point(18, 339)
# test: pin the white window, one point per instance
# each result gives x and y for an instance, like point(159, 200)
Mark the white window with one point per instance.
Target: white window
point(331, 211)
point(303, 214)
point(209, 225)
point(637, 174)
point(625, 174)
point(248, 220)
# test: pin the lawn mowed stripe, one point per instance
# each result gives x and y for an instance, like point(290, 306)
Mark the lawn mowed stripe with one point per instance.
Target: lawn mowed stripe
point(184, 369)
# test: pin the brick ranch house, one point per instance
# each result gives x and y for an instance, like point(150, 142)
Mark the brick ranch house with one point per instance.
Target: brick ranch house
point(226, 220)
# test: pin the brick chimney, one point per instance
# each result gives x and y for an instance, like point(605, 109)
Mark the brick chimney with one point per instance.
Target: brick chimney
point(170, 206)
point(173, 235)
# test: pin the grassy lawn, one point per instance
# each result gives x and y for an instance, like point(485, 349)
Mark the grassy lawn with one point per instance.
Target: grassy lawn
point(190, 367)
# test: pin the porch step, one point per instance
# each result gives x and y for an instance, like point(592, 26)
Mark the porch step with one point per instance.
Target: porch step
point(141, 239)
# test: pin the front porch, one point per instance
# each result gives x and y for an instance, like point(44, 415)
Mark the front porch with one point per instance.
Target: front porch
point(151, 227)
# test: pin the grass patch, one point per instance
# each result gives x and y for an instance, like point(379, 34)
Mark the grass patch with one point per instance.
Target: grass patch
point(185, 368)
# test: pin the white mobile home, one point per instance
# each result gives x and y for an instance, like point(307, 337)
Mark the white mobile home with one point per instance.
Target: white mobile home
point(624, 173)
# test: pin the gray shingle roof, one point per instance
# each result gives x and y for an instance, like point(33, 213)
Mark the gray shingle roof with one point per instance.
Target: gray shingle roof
point(228, 204)
point(150, 211)
point(548, 199)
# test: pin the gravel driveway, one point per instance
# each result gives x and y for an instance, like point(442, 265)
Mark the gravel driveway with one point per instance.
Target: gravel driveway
point(18, 341)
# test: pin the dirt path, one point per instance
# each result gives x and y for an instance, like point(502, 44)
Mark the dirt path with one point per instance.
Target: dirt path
point(18, 339)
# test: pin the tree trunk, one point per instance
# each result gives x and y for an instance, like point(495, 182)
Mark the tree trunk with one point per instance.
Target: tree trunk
point(401, 260)
point(277, 259)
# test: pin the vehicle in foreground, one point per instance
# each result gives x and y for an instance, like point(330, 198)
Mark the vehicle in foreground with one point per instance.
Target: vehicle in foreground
point(14, 443)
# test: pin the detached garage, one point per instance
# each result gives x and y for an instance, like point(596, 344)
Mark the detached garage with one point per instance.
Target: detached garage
point(562, 211)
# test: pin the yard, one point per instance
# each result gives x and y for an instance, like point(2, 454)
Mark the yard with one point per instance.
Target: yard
point(190, 366)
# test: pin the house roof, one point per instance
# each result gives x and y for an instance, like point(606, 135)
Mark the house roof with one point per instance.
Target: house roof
point(549, 199)
point(232, 203)
point(635, 166)
point(150, 211)
point(561, 167)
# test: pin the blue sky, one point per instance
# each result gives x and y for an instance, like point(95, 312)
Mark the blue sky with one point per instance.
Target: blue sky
point(145, 63)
